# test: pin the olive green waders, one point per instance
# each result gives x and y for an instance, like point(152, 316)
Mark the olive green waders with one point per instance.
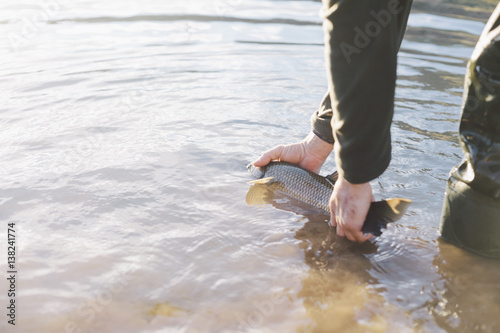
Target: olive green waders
point(471, 210)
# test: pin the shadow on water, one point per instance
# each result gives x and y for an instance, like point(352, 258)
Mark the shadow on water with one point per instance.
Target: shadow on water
point(341, 293)
point(338, 279)
point(338, 283)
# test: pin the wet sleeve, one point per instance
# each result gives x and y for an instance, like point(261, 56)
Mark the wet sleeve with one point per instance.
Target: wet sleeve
point(362, 38)
point(321, 120)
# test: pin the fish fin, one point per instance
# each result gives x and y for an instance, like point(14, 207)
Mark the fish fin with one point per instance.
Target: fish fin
point(398, 206)
point(259, 195)
point(165, 310)
point(333, 177)
point(262, 181)
point(383, 212)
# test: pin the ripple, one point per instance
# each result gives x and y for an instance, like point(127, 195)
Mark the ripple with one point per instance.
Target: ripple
point(127, 128)
point(196, 18)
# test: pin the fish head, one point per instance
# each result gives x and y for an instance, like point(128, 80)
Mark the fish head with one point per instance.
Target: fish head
point(257, 172)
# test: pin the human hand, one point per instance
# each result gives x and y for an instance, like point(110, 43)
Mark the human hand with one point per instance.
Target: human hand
point(349, 205)
point(309, 154)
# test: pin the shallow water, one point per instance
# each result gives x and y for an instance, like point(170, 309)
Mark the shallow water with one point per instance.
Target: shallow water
point(126, 130)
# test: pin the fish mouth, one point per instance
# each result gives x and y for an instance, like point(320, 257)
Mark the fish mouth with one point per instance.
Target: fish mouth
point(255, 171)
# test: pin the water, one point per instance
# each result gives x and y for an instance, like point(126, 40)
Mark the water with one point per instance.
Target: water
point(126, 130)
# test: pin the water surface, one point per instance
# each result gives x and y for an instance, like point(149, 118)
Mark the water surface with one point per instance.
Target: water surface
point(126, 130)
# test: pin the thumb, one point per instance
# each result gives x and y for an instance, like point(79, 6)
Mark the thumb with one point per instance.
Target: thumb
point(268, 156)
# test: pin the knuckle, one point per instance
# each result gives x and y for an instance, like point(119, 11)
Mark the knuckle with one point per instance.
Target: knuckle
point(276, 152)
point(278, 148)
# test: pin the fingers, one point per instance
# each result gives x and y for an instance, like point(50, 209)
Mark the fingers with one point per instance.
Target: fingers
point(268, 156)
point(340, 232)
point(349, 205)
point(354, 236)
point(333, 221)
point(351, 234)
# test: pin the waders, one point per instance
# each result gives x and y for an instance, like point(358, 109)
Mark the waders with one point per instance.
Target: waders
point(471, 210)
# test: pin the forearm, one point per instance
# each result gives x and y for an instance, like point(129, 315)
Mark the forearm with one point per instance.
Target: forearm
point(362, 39)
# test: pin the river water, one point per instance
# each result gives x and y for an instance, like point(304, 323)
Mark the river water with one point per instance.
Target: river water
point(126, 129)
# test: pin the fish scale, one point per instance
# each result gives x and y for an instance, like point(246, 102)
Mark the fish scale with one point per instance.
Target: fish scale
point(299, 183)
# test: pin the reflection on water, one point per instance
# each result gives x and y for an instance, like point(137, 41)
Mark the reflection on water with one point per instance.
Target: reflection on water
point(126, 130)
point(336, 291)
point(467, 293)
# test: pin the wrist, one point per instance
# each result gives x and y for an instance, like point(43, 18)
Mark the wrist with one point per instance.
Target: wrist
point(356, 187)
point(317, 147)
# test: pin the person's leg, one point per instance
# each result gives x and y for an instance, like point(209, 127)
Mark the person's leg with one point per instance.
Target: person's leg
point(471, 210)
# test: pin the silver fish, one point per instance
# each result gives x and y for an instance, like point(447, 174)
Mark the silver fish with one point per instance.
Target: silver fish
point(312, 189)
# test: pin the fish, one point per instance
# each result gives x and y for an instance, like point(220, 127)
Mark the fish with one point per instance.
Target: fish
point(307, 187)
